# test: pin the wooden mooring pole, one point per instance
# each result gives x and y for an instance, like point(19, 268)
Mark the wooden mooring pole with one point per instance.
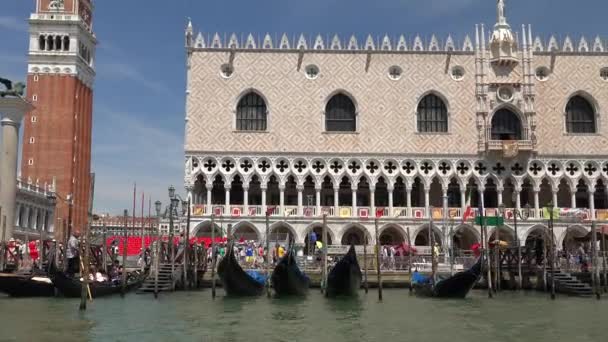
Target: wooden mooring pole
point(213, 258)
point(485, 246)
point(268, 256)
point(186, 246)
point(379, 273)
point(324, 270)
point(594, 267)
point(195, 270)
point(409, 243)
point(365, 266)
point(104, 253)
point(123, 289)
point(603, 249)
point(2, 242)
point(85, 289)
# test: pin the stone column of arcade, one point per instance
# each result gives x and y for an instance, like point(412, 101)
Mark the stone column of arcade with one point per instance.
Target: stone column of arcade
point(12, 110)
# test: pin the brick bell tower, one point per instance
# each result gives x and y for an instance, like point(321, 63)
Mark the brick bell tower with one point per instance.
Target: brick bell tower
point(57, 133)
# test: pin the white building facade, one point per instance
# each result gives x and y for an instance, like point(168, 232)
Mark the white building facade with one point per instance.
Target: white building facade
point(35, 211)
point(398, 132)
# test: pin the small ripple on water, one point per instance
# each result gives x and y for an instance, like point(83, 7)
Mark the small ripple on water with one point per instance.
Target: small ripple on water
point(195, 316)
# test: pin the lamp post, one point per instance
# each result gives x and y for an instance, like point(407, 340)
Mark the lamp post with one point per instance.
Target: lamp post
point(158, 207)
point(175, 202)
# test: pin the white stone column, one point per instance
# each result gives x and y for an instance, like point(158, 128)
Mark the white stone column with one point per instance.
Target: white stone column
point(390, 201)
point(572, 199)
point(408, 199)
point(517, 199)
point(445, 202)
point(482, 201)
point(555, 198)
point(336, 201)
point(463, 201)
point(227, 187)
point(318, 200)
point(209, 206)
point(300, 189)
point(354, 208)
point(246, 199)
point(427, 202)
point(536, 203)
point(12, 110)
point(592, 203)
point(281, 200)
point(372, 200)
point(263, 188)
point(500, 199)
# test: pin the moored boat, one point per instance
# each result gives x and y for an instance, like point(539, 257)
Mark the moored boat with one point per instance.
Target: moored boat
point(288, 279)
point(235, 280)
point(457, 286)
point(36, 284)
point(345, 277)
point(72, 287)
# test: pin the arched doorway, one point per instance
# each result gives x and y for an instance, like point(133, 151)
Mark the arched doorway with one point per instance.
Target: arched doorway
point(355, 235)
point(281, 233)
point(204, 230)
point(245, 231)
point(422, 237)
point(391, 236)
point(463, 239)
point(318, 231)
point(503, 234)
point(575, 238)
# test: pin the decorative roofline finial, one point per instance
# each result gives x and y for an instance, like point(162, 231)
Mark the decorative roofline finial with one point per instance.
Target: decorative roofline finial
point(500, 8)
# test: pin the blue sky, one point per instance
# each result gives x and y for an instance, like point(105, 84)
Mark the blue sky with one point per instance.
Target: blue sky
point(139, 91)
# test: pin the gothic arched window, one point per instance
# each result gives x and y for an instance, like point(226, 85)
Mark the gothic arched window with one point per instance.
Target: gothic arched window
point(432, 115)
point(66, 43)
point(42, 43)
point(251, 113)
point(580, 116)
point(340, 114)
point(58, 41)
point(506, 126)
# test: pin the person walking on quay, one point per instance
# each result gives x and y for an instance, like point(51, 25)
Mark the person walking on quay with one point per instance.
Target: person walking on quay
point(73, 254)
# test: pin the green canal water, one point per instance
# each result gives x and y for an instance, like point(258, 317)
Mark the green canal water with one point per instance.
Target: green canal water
point(195, 316)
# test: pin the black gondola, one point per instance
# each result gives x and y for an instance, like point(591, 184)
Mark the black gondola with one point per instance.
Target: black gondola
point(288, 279)
point(235, 280)
point(72, 287)
point(456, 286)
point(345, 278)
point(36, 284)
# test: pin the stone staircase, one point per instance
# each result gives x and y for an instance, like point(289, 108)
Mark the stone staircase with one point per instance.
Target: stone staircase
point(568, 284)
point(165, 279)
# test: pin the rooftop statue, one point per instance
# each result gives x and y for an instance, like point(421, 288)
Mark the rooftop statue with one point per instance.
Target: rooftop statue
point(501, 12)
point(12, 90)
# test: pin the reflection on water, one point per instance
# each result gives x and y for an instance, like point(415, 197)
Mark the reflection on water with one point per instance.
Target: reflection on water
point(196, 317)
